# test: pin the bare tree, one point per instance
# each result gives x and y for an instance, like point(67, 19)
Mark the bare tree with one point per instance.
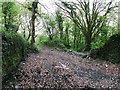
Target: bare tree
point(89, 18)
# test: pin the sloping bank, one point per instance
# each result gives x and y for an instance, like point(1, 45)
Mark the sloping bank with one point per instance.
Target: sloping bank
point(14, 50)
point(110, 51)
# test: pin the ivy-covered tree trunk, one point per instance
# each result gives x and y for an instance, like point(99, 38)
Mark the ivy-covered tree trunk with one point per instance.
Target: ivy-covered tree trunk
point(34, 8)
point(33, 29)
point(59, 20)
point(61, 32)
point(67, 36)
point(75, 37)
point(78, 39)
point(88, 40)
point(5, 24)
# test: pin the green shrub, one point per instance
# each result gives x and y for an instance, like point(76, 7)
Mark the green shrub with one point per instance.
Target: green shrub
point(41, 39)
point(56, 43)
point(110, 51)
point(14, 49)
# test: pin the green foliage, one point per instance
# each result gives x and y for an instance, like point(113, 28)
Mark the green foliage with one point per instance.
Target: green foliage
point(49, 24)
point(40, 40)
point(88, 20)
point(56, 43)
point(10, 14)
point(14, 49)
point(59, 20)
point(104, 35)
point(101, 38)
point(110, 51)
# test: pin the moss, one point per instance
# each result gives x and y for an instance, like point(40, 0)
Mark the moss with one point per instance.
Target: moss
point(14, 50)
point(110, 51)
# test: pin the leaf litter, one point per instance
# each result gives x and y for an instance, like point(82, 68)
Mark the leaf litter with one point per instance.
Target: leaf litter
point(58, 69)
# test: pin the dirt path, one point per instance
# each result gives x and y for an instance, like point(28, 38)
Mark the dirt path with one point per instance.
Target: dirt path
point(58, 69)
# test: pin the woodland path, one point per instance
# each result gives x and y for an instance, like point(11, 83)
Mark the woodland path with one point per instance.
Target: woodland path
point(60, 69)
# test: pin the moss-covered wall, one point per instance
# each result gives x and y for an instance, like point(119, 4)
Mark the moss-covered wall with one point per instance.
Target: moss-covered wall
point(14, 49)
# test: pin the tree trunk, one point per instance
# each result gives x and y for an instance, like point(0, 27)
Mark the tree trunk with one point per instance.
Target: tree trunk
point(24, 33)
point(67, 37)
point(88, 41)
point(61, 34)
point(61, 31)
point(5, 23)
point(33, 29)
point(34, 7)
